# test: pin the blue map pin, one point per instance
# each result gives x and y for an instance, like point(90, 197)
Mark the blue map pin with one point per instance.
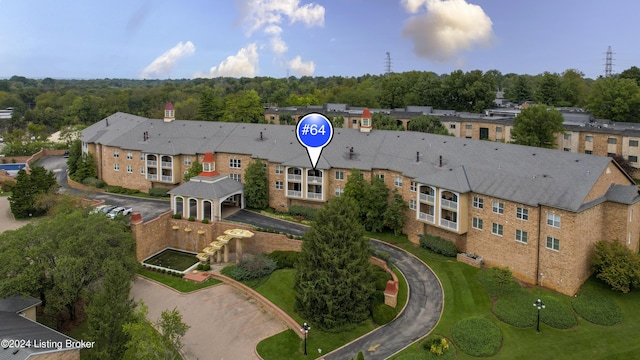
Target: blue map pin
point(314, 131)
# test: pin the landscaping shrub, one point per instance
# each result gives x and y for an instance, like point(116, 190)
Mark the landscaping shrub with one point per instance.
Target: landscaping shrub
point(159, 192)
point(477, 336)
point(192, 218)
point(380, 278)
point(383, 255)
point(557, 314)
point(616, 265)
point(306, 212)
point(91, 181)
point(498, 281)
point(284, 259)
point(516, 309)
point(438, 347)
point(205, 221)
point(251, 268)
point(383, 314)
point(203, 267)
point(177, 216)
point(121, 190)
point(438, 245)
point(596, 308)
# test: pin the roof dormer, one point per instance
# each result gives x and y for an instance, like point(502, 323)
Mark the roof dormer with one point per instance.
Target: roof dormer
point(209, 165)
point(365, 121)
point(169, 113)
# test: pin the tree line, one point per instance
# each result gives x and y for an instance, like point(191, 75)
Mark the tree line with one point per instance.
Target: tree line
point(57, 103)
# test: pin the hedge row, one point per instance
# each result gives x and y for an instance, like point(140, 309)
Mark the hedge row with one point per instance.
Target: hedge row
point(306, 212)
point(438, 245)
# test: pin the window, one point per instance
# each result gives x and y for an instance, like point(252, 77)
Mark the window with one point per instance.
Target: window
point(129, 155)
point(279, 185)
point(116, 153)
point(413, 186)
point(612, 141)
point(398, 181)
point(522, 236)
point(142, 170)
point(116, 167)
point(498, 207)
point(588, 152)
point(588, 138)
point(633, 158)
point(129, 169)
point(366, 122)
point(354, 121)
point(478, 202)
point(499, 129)
point(633, 143)
point(476, 223)
point(141, 157)
point(380, 176)
point(567, 136)
point(522, 213)
point(611, 154)
point(338, 191)
point(553, 243)
point(452, 126)
point(566, 149)
point(412, 204)
point(187, 161)
point(497, 229)
point(468, 126)
point(279, 169)
point(208, 167)
point(235, 163)
point(339, 175)
point(553, 220)
point(236, 177)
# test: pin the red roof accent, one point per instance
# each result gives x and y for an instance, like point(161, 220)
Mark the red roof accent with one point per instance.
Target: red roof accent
point(169, 106)
point(208, 157)
point(366, 113)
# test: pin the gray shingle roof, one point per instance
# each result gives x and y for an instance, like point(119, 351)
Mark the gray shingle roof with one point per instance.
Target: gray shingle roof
point(18, 303)
point(522, 174)
point(218, 187)
point(623, 194)
point(14, 326)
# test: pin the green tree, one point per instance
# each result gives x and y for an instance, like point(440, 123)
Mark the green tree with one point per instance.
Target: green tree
point(287, 119)
point(356, 188)
point(395, 216)
point(631, 73)
point(393, 90)
point(383, 121)
point(374, 205)
point(145, 342)
point(428, 124)
point(615, 99)
point(172, 327)
point(86, 167)
point(573, 88)
point(255, 186)
point(194, 170)
point(616, 265)
point(75, 157)
point(521, 89)
point(548, 89)
point(333, 281)
point(537, 126)
point(28, 187)
point(109, 309)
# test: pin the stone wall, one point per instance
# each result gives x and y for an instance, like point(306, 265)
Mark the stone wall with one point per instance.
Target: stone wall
point(463, 258)
point(58, 355)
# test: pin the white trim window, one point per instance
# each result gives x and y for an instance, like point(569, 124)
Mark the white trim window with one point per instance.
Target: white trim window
point(412, 204)
point(142, 170)
point(478, 202)
point(235, 163)
point(279, 185)
point(522, 236)
point(236, 177)
point(398, 181)
point(129, 155)
point(553, 220)
point(116, 167)
point(339, 191)
point(522, 213)
point(476, 223)
point(339, 175)
point(129, 169)
point(187, 161)
point(553, 243)
point(413, 186)
point(116, 153)
point(497, 229)
point(279, 169)
point(498, 207)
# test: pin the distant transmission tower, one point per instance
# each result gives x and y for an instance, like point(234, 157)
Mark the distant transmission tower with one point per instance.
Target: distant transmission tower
point(387, 64)
point(608, 67)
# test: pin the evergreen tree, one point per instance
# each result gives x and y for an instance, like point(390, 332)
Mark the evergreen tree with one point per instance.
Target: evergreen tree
point(28, 187)
point(255, 186)
point(356, 189)
point(537, 126)
point(75, 157)
point(333, 281)
point(395, 216)
point(428, 124)
point(374, 205)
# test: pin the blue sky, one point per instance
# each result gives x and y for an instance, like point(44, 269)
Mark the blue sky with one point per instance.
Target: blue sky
point(162, 39)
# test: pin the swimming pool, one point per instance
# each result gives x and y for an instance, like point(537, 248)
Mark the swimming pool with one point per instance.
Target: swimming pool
point(14, 167)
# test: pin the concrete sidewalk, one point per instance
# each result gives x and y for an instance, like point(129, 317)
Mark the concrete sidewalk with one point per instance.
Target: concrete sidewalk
point(7, 221)
point(224, 323)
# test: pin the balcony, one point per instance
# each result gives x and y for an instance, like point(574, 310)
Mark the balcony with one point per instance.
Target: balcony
point(166, 164)
point(426, 217)
point(314, 179)
point(427, 198)
point(450, 204)
point(449, 224)
point(152, 163)
point(167, 178)
point(152, 176)
point(315, 196)
point(293, 177)
point(294, 193)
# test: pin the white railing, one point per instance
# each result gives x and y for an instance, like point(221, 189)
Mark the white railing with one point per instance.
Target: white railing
point(314, 179)
point(316, 196)
point(427, 198)
point(166, 164)
point(167, 178)
point(152, 176)
point(449, 204)
point(426, 217)
point(449, 224)
point(293, 193)
point(293, 177)
point(152, 163)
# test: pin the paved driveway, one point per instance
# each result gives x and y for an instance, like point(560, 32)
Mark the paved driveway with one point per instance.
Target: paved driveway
point(224, 323)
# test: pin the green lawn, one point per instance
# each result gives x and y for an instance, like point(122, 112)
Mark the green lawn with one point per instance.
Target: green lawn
point(177, 283)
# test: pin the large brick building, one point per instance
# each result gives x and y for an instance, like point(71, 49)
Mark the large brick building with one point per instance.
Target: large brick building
point(536, 211)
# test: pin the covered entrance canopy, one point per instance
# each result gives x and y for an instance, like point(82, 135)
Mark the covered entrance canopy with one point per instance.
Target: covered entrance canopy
point(202, 197)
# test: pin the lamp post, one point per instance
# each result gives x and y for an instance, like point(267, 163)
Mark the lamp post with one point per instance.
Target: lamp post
point(305, 329)
point(540, 305)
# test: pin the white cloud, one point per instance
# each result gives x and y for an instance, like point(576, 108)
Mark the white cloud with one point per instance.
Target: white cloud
point(242, 64)
point(163, 64)
point(302, 68)
point(278, 45)
point(447, 28)
point(258, 13)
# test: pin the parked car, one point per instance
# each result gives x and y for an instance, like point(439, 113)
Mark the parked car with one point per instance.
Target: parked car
point(66, 154)
point(103, 209)
point(120, 210)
